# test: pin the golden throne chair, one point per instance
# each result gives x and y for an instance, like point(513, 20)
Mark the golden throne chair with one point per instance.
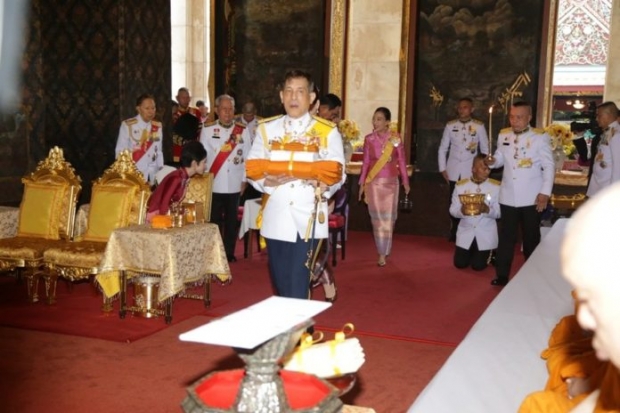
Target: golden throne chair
point(119, 198)
point(199, 192)
point(46, 218)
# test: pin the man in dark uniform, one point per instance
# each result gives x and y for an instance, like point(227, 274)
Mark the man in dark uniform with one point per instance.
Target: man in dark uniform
point(183, 99)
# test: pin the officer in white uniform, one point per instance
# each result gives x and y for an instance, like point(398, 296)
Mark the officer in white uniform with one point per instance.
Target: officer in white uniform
point(462, 139)
point(287, 215)
point(142, 135)
point(529, 171)
point(606, 163)
point(227, 145)
point(476, 236)
point(249, 119)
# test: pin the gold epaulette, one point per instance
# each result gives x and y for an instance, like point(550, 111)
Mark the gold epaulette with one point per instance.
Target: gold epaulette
point(209, 123)
point(156, 123)
point(131, 121)
point(494, 181)
point(240, 124)
point(270, 119)
point(463, 181)
point(506, 130)
point(539, 131)
point(478, 122)
point(324, 121)
point(451, 122)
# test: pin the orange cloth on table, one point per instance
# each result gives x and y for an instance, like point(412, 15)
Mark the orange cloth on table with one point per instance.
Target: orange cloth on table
point(328, 172)
point(161, 221)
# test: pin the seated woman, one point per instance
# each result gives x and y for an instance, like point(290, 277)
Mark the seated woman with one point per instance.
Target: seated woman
point(172, 188)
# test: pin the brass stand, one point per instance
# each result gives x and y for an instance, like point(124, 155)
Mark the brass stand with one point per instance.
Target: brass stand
point(149, 312)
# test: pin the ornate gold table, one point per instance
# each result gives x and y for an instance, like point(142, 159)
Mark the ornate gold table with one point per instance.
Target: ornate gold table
point(570, 178)
point(178, 256)
point(9, 220)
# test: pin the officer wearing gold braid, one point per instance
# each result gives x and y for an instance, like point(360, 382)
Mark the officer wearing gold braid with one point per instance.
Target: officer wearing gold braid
point(293, 158)
point(142, 135)
point(227, 145)
point(527, 181)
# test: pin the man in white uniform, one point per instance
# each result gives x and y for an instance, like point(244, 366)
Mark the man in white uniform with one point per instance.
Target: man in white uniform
point(606, 162)
point(227, 144)
point(527, 181)
point(248, 118)
point(142, 135)
point(462, 138)
point(476, 236)
point(289, 215)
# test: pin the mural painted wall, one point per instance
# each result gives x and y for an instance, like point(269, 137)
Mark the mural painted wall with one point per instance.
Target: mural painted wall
point(487, 50)
point(84, 65)
point(259, 41)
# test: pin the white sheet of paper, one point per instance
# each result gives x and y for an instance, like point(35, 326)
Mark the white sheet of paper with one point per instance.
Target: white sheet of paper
point(257, 323)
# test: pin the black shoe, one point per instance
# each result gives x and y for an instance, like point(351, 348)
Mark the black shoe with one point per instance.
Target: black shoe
point(500, 282)
point(232, 259)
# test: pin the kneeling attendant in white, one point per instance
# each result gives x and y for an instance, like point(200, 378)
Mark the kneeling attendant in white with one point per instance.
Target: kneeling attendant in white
point(476, 235)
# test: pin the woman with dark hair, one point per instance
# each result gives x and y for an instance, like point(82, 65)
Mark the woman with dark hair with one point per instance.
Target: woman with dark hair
point(384, 162)
point(173, 187)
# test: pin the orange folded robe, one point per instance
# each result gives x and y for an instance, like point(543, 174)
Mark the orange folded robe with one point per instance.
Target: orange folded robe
point(328, 172)
point(569, 355)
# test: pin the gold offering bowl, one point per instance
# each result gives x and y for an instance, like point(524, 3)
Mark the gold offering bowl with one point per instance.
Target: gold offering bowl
point(472, 203)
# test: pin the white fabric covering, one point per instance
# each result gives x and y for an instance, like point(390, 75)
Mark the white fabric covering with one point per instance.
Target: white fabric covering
point(498, 363)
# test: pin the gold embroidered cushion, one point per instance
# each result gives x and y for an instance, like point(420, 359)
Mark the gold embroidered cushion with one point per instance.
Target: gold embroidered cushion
point(39, 212)
point(110, 208)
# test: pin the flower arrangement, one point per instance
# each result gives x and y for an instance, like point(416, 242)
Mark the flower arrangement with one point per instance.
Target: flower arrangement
point(561, 137)
point(351, 134)
point(349, 130)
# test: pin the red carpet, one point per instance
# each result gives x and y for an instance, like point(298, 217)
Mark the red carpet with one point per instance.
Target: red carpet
point(78, 312)
point(417, 296)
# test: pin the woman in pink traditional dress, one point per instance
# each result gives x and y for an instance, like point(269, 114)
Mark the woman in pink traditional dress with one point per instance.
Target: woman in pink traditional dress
point(384, 162)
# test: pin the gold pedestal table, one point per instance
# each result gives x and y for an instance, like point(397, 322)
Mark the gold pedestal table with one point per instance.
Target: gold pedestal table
point(180, 257)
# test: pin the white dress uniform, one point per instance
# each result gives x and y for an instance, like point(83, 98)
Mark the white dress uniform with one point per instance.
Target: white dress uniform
point(482, 227)
point(606, 165)
point(528, 164)
point(133, 135)
point(251, 126)
point(232, 173)
point(290, 206)
point(462, 139)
